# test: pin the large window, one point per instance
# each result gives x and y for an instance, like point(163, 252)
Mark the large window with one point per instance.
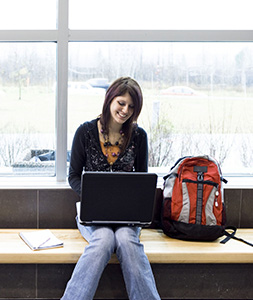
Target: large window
point(27, 97)
point(58, 57)
point(198, 97)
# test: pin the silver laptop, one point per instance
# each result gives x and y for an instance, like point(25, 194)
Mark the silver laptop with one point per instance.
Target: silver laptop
point(120, 198)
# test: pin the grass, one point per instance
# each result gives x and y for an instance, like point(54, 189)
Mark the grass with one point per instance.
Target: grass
point(35, 112)
point(203, 115)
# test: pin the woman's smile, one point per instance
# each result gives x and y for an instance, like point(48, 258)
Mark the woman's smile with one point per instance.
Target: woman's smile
point(121, 108)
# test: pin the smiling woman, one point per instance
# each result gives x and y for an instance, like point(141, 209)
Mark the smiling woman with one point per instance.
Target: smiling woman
point(117, 128)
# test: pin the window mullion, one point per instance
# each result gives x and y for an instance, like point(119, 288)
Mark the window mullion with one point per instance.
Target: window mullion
point(28, 35)
point(62, 91)
point(160, 35)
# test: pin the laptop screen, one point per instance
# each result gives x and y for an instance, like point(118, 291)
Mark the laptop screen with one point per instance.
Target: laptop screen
point(117, 198)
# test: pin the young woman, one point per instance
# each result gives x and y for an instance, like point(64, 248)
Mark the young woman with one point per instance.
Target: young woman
point(112, 142)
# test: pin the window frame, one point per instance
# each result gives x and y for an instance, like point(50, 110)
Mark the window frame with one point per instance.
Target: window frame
point(62, 36)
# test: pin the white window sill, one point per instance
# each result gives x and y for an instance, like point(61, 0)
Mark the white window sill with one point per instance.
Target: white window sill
point(32, 183)
point(234, 182)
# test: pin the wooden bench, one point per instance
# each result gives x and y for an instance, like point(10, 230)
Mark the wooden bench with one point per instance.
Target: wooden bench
point(159, 248)
point(182, 269)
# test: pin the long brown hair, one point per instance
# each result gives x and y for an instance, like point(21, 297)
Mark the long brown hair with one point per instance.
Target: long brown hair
point(120, 87)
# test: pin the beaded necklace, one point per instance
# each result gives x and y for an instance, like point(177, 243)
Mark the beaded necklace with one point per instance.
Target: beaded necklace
point(110, 151)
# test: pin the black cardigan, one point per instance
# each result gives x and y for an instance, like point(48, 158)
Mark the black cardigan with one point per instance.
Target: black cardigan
point(86, 154)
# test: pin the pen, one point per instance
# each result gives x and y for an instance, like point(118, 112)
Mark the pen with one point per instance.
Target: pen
point(43, 243)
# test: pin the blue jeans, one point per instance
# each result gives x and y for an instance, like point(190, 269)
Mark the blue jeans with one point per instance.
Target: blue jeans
point(103, 242)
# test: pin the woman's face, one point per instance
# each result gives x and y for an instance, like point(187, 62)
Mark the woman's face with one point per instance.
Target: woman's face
point(121, 108)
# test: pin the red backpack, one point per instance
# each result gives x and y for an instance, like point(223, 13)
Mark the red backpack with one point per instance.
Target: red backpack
point(193, 204)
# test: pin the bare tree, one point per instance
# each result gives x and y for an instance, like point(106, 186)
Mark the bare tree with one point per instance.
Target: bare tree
point(160, 138)
point(13, 145)
point(218, 138)
point(246, 150)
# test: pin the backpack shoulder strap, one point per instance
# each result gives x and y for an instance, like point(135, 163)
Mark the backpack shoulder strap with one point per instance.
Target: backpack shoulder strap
point(232, 236)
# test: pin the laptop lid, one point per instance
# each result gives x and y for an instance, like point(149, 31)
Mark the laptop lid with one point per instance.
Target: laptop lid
point(125, 198)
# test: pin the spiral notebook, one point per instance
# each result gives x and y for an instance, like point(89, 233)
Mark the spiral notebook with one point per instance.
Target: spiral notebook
point(40, 239)
point(121, 198)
